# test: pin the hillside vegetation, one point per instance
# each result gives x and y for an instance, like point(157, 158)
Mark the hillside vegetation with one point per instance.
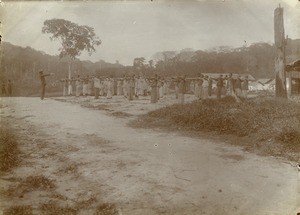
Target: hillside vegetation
point(21, 65)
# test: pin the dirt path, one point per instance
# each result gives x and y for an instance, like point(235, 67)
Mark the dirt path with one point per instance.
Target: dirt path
point(91, 154)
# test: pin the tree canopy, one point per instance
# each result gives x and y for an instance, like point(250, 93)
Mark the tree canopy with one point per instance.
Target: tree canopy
point(74, 38)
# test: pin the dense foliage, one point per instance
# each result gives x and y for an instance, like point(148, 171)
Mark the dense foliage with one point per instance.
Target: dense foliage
point(263, 118)
point(74, 38)
point(21, 65)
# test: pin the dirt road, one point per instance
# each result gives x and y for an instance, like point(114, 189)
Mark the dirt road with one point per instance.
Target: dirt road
point(89, 153)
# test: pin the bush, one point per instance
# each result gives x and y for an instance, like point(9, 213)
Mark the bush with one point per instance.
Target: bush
point(259, 115)
point(18, 210)
point(106, 209)
point(290, 135)
point(8, 150)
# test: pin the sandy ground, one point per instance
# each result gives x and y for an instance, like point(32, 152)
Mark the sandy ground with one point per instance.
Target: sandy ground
point(92, 154)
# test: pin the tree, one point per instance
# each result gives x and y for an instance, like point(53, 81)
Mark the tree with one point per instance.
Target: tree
point(151, 64)
point(73, 38)
point(138, 63)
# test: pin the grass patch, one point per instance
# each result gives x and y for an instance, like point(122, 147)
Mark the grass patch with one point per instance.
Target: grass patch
point(8, 150)
point(31, 183)
point(261, 118)
point(120, 114)
point(38, 182)
point(106, 209)
point(52, 208)
point(70, 169)
point(18, 210)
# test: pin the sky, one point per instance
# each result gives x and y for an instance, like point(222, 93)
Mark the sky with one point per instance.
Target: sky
point(130, 29)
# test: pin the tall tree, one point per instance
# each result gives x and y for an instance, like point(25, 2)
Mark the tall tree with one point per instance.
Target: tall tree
point(73, 38)
point(138, 63)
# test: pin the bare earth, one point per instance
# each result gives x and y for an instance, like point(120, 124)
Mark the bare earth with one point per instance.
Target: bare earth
point(92, 154)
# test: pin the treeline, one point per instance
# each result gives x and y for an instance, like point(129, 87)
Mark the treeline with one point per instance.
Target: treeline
point(21, 65)
point(256, 59)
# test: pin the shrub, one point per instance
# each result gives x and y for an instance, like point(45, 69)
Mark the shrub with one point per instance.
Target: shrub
point(226, 116)
point(18, 210)
point(8, 150)
point(106, 209)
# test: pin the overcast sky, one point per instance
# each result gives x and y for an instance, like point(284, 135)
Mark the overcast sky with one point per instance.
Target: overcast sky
point(130, 29)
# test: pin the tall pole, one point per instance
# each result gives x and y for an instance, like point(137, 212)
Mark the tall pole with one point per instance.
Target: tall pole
point(280, 43)
point(0, 45)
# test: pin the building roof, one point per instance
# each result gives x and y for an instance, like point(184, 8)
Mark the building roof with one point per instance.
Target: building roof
point(234, 75)
point(295, 66)
point(264, 81)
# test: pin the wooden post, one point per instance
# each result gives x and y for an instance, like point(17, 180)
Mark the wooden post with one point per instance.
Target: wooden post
point(0, 45)
point(280, 43)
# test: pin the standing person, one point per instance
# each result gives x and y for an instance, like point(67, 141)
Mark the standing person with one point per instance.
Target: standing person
point(225, 85)
point(115, 86)
point(200, 87)
point(229, 85)
point(157, 88)
point(238, 86)
point(136, 87)
point(205, 88)
point(168, 83)
point(161, 89)
point(176, 83)
point(196, 88)
point(143, 86)
point(210, 81)
point(153, 84)
point(220, 85)
point(9, 88)
point(125, 83)
point(78, 86)
point(90, 86)
point(181, 89)
point(245, 86)
point(85, 86)
point(140, 87)
point(65, 86)
point(165, 86)
point(101, 88)
point(70, 87)
point(43, 83)
point(96, 87)
point(3, 89)
point(119, 87)
point(131, 85)
point(109, 85)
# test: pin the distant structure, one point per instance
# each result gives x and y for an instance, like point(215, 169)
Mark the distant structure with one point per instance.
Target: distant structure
point(280, 43)
point(293, 78)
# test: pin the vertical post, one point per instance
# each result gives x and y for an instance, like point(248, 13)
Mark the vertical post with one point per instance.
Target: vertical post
point(280, 43)
point(0, 45)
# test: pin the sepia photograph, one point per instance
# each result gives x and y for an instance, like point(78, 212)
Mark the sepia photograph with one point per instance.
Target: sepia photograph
point(150, 107)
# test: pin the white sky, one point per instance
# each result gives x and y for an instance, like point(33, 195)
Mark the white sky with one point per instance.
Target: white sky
point(130, 29)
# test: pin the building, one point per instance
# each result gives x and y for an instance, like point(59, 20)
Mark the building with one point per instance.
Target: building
point(293, 78)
